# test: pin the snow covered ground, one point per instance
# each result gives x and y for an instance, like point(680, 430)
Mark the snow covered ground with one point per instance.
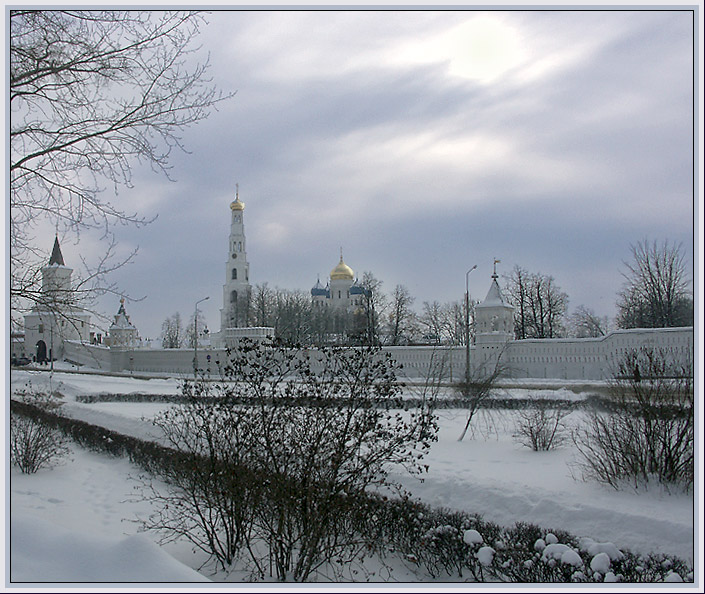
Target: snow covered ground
point(79, 518)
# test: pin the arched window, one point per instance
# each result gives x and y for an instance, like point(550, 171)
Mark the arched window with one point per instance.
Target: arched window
point(233, 296)
point(234, 275)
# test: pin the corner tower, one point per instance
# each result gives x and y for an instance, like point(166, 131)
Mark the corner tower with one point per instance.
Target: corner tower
point(494, 327)
point(56, 316)
point(237, 289)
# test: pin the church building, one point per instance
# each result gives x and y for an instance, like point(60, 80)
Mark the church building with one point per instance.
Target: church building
point(341, 293)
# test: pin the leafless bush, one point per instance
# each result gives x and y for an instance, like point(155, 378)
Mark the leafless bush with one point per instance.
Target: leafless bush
point(279, 481)
point(477, 387)
point(649, 434)
point(540, 426)
point(33, 444)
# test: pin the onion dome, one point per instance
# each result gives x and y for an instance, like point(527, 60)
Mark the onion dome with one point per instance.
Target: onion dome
point(357, 290)
point(319, 290)
point(237, 204)
point(342, 271)
point(122, 320)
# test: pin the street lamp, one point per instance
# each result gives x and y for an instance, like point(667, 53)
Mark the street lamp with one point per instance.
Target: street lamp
point(467, 327)
point(195, 336)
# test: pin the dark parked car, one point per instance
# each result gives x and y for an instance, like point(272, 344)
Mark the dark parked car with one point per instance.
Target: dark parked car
point(20, 361)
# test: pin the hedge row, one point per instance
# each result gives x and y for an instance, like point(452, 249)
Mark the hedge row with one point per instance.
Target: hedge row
point(592, 402)
point(438, 542)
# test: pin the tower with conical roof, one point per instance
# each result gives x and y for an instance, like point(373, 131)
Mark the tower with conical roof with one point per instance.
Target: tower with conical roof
point(494, 325)
point(55, 317)
point(56, 276)
point(237, 289)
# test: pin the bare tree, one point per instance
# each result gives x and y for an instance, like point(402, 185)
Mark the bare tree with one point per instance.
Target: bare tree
point(401, 320)
point(262, 305)
point(173, 332)
point(478, 387)
point(444, 323)
point(649, 433)
point(518, 286)
point(453, 321)
point(367, 320)
point(540, 305)
point(585, 323)
point(656, 291)
point(541, 425)
point(292, 316)
point(91, 92)
point(431, 321)
point(201, 328)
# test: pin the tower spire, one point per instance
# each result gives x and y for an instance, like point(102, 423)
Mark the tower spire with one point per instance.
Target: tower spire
point(494, 269)
point(56, 255)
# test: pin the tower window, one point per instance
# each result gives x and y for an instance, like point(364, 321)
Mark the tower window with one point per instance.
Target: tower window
point(234, 275)
point(233, 296)
point(239, 246)
point(40, 329)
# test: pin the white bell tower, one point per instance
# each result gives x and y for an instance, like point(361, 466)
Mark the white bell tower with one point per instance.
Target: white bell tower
point(237, 289)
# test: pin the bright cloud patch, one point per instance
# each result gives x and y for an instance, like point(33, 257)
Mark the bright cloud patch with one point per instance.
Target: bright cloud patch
point(482, 48)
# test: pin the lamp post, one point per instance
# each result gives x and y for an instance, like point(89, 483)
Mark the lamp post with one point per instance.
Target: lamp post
point(467, 326)
point(195, 336)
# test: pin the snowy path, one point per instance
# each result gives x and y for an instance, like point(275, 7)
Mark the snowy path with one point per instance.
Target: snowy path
point(505, 483)
point(77, 523)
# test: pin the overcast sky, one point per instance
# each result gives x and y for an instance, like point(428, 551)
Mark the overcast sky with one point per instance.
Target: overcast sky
point(422, 143)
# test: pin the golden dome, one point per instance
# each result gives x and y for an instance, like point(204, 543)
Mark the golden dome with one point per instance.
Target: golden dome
point(342, 271)
point(237, 205)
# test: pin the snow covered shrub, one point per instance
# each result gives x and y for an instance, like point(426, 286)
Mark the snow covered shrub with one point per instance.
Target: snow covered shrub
point(540, 426)
point(34, 444)
point(529, 555)
point(649, 434)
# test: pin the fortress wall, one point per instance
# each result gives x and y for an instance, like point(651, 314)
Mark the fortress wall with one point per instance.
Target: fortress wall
point(89, 355)
point(592, 358)
point(561, 358)
point(421, 362)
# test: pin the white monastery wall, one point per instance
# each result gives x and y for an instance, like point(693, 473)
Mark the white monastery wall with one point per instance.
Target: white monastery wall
point(89, 355)
point(561, 358)
point(590, 358)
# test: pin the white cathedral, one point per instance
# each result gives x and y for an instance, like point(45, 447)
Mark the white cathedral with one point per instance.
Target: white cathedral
point(341, 292)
